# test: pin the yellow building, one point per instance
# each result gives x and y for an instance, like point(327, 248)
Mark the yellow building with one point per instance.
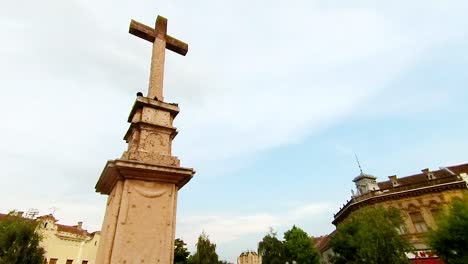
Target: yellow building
point(420, 197)
point(65, 244)
point(249, 257)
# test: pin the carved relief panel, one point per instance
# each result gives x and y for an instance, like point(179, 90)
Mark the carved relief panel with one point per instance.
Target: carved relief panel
point(152, 146)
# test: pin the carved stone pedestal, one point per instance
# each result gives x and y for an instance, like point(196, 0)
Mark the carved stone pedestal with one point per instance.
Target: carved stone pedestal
point(139, 224)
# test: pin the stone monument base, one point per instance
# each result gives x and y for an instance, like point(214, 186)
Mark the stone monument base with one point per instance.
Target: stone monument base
point(141, 211)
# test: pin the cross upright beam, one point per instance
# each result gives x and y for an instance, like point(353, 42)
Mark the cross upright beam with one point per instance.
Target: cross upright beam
point(161, 41)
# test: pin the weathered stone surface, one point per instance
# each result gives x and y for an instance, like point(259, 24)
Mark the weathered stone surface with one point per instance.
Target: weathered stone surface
point(139, 224)
point(161, 41)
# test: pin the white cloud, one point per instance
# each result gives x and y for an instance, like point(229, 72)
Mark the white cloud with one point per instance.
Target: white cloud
point(312, 67)
point(252, 80)
point(227, 227)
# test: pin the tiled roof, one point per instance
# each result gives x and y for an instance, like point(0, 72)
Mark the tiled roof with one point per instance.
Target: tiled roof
point(421, 178)
point(68, 229)
point(322, 242)
point(72, 229)
point(459, 168)
point(63, 228)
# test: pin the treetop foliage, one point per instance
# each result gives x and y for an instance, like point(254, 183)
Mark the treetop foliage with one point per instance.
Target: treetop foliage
point(271, 249)
point(19, 243)
point(450, 239)
point(297, 246)
point(181, 252)
point(370, 236)
point(205, 252)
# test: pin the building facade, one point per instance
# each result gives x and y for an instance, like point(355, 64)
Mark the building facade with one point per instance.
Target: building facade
point(322, 244)
point(420, 197)
point(65, 244)
point(249, 257)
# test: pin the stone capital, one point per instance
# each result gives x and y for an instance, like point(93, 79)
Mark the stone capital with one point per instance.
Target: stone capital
point(119, 169)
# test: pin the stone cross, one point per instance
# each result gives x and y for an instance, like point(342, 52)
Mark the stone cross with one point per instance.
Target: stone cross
point(161, 41)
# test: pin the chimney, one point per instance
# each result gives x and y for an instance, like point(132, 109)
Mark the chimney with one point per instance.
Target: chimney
point(394, 180)
point(80, 224)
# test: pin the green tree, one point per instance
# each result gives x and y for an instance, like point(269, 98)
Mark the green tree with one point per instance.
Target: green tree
point(271, 249)
point(370, 236)
point(180, 252)
point(19, 243)
point(205, 252)
point(450, 239)
point(299, 247)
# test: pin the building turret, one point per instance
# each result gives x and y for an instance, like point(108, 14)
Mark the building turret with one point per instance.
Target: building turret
point(365, 183)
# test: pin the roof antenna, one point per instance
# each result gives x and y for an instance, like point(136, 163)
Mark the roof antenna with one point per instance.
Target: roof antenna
point(359, 164)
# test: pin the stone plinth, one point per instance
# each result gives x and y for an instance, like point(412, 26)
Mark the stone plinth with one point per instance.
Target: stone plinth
point(139, 224)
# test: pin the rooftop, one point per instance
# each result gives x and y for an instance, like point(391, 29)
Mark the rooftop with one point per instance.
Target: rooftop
point(72, 229)
point(449, 177)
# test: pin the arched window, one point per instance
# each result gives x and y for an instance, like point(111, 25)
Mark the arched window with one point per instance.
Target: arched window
point(418, 222)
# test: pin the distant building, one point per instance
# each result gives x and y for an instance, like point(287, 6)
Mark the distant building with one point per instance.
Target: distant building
point(420, 197)
point(323, 246)
point(66, 244)
point(249, 257)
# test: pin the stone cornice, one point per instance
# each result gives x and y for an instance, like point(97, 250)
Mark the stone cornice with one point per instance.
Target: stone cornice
point(378, 198)
point(119, 169)
point(144, 101)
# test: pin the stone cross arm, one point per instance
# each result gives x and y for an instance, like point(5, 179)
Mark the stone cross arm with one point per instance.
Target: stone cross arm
point(161, 41)
point(150, 34)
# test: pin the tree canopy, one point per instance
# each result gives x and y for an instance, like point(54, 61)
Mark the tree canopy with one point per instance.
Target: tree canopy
point(205, 251)
point(181, 252)
point(299, 247)
point(450, 239)
point(370, 236)
point(271, 249)
point(19, 243)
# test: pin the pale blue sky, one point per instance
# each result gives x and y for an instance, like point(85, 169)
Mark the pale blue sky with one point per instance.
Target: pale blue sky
point(275, 97)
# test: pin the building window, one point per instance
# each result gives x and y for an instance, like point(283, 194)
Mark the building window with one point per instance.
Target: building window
point(401, 229)
point(69, 261)
point(418, 222)
point(84, 262)
point(53, 261)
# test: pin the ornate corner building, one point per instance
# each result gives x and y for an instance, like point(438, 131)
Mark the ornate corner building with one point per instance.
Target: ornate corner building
point(420, 197)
